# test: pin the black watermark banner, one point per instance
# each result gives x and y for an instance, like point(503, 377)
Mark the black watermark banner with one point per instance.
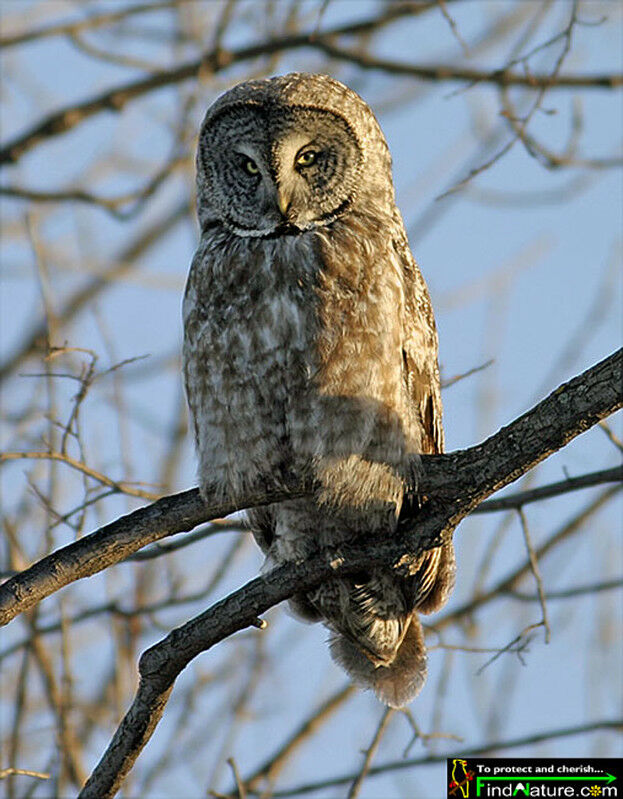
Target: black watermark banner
point(472, 777)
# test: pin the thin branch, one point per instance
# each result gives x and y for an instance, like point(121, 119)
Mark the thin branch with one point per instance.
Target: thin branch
point(449, 72)
point(424, 737)
point(116, 206)
point(239, 784)
point(456, 378)
point(519, 126)
point(10, 772)
point(119, 487)
point(210, 63)
point(272, 767)
point(611, 435)
point(217, 60)
point(84, 295)
point(158, 550)
point(534, 565)
point(569, 593)
point(90, 23)
point(116, 608)
point(521, 498)
point(370, 752)
point(519, 646)
point(508, 583)
point(453, 27)
point(493, 746)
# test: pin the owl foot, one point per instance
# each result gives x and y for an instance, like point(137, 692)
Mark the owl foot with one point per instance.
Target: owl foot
point(412, 482)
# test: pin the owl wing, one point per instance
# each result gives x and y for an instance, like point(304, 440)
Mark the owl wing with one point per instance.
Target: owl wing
point(434, 580)
point(419, 353)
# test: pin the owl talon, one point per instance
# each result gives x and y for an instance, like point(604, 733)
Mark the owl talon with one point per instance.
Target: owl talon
point(334, 556)
point(261, 624)
point(412, 496)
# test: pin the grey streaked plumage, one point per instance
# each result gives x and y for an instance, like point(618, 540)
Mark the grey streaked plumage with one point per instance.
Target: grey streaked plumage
point(310, 345)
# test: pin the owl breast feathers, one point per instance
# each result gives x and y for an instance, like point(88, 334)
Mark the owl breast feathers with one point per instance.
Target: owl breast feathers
point(310, 347)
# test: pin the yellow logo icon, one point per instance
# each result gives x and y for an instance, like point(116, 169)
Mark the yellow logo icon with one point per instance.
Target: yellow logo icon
point(460, 777)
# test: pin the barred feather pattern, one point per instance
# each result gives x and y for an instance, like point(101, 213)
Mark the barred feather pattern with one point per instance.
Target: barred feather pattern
point(310, 348)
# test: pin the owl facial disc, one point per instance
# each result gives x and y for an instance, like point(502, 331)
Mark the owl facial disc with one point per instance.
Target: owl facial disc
point(270, 167)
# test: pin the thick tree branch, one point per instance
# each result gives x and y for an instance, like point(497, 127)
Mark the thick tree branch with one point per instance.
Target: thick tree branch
point(454, 484)
point(451, 485)
point(219, 59)
point(188, 51)
point(116, 541)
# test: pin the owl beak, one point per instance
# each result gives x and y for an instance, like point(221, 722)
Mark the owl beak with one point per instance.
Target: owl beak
point(284, 201)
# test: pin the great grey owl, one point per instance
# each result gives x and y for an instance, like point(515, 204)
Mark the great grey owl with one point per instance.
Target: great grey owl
point(310, 347)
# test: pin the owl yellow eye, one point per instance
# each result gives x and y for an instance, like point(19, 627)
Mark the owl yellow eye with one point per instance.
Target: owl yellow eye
point(251, 167)
point(307, 158)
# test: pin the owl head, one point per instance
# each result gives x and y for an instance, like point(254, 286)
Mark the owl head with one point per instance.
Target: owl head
point(289, 154)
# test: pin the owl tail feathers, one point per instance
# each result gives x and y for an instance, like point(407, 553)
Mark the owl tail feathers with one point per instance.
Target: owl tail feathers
point(395, 684)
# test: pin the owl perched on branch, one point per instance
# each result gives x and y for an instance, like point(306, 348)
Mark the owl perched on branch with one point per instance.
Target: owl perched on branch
point(310, 348)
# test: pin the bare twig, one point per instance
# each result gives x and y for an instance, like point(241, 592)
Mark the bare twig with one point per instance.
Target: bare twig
point(534, 565)
point(452, 73)
point(569, 593)
point(488, 748)
point(216, 60)
point(611, 435)
point(90, 23)
point(123, 206)
point(84, 295)
point(453, 27)
point(10, 772)
point(518, 500)
point(208, 64)
point(120, 487)
point(239, 784)
point(509, 582)
point(519, 645)
point(272, 767)
point(370, 752)
point(456, 378)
